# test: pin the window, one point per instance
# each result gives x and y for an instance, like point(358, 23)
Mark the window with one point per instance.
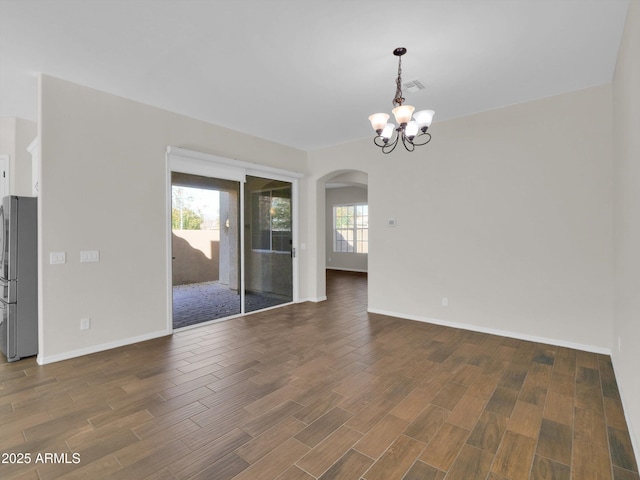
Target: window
point(351, 228)
point(271, 220)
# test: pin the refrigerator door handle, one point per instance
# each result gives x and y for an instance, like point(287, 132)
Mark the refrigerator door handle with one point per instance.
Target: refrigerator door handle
point(3, 239)
point(7, 290)
point(9, 331)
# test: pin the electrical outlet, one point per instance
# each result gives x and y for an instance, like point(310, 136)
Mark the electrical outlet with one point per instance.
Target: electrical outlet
point(85, 323)
point(445, 301)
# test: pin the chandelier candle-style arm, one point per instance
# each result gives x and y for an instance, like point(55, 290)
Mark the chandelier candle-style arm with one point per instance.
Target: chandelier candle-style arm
point(412, 133)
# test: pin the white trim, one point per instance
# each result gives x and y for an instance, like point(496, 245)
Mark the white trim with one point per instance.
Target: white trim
point(208, 322)
point(493, 331)
point(635, 442)
point(268, 308)
point(314, 299)
point(359, 270)
point(168, 245)
point(230, 317)
point(243, 260)
point(45, 359)
point(252, 169)
point(295, 241)
point(205, 168)
point(5, 168)
point(34, 150)
point(34, 147)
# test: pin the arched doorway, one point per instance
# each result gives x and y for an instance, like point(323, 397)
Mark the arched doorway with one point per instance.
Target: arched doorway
point(342, 206)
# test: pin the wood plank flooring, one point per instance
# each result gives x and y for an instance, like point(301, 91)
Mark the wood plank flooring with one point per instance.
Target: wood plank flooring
point(318, 391)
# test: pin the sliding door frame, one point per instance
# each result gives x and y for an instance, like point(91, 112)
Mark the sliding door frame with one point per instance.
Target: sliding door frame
point(204, 164)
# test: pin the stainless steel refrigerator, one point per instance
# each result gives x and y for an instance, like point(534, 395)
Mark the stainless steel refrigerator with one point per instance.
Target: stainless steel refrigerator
point(19, 277)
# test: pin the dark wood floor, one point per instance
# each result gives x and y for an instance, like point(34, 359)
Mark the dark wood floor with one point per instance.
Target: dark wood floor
point(318, 391)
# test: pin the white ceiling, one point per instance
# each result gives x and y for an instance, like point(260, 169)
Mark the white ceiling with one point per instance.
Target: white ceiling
point(307, 73)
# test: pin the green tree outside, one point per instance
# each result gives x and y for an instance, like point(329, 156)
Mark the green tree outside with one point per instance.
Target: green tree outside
point(183, 215)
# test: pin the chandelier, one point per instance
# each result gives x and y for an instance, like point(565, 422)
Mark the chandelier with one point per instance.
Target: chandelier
point(412, 133)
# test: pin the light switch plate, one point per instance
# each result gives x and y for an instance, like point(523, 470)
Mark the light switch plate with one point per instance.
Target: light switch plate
point(89, 256)
point(57, 258)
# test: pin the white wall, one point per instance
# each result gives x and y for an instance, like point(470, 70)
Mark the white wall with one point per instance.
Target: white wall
point(338, 260)
point(15, 136)
point(103, 173)
point(626, 123)
point(506, 213)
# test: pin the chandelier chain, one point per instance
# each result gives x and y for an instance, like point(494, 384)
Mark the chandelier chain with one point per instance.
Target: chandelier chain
point(398, 100)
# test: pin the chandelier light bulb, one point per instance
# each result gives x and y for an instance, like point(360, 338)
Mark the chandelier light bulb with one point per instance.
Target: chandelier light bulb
point(388, 131)
point(424, 118)
point(411, 130)
point(403, 113)
point(379, 121)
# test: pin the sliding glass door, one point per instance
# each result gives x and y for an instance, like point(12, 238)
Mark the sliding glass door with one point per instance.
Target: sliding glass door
point(232, 239)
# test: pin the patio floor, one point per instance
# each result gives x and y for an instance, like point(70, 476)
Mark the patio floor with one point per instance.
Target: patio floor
point(201, 302)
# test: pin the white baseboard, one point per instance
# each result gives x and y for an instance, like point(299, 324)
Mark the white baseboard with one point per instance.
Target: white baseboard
point(58, 357)
point(493, 331)
point(314, 299)
point(635, 442)
point(347, 269)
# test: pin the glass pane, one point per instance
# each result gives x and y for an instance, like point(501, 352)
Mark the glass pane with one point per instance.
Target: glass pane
point(362, 226)
point(268, 263)
point(351, 228)
point(260, 221)
point(363, 246)
point(281, 220)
